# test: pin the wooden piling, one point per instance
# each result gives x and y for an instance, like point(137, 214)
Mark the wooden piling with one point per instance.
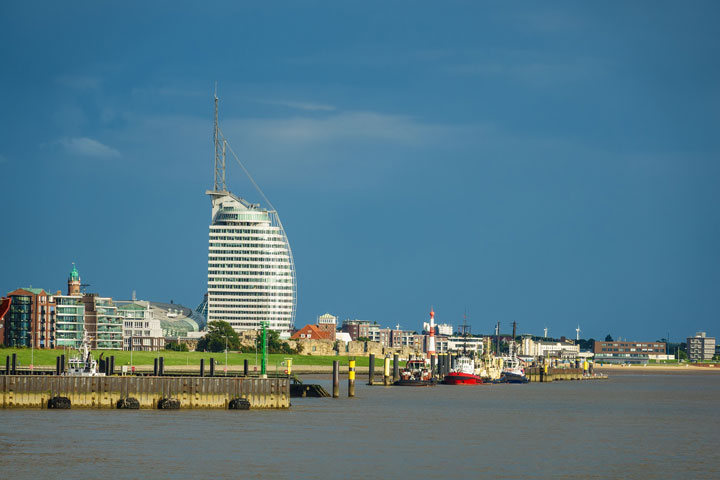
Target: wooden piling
point(336, 379)
point(202, 367)
point(386, 372)
point(396, 368)
point(371, 369)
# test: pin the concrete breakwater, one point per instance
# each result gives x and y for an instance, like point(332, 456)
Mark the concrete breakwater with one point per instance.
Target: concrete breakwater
point(21, 391)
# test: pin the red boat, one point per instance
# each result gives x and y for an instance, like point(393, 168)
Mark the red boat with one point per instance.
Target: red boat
point(464, 373)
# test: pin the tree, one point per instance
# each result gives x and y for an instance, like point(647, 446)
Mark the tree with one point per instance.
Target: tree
point(214, 340)
point(608, 338)
point(274, 344)
point(587, 345)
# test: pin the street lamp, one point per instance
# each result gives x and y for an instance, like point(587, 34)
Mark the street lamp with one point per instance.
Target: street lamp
point(130, 344)
point(226, 364)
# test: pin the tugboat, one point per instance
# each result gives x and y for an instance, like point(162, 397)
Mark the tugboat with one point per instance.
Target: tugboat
point(464, 371)
point(83, 364)
point(513, 371)
point(416, 374)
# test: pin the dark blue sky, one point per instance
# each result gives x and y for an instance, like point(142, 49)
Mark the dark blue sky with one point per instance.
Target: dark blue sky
point(553, 165)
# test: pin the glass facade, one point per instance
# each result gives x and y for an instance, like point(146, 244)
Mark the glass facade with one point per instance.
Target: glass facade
point(18, 320)
point(251, 274)
point(70, 321)
point(109, 331)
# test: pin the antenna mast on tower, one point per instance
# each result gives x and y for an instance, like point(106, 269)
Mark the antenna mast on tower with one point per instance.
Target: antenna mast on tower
point(219, 151)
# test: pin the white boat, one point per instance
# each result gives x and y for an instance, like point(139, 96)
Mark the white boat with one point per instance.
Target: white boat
point(83, 364)
point(513, 370)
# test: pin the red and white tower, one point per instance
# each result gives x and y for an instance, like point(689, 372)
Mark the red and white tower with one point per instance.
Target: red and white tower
point(431, 340)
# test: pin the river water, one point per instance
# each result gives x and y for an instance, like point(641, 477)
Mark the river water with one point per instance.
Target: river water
point(630, 426)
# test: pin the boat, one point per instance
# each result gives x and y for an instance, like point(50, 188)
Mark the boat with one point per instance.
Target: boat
point(463, 373)
point(83, 364)
point(416, 374)
point(513, 371)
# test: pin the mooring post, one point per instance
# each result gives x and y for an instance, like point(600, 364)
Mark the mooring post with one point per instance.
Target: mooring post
point(336, 379)
point(62, 363)
point(396, 368)
point(212, 367)
point(371, 369)
point(112, 365)
point(432, 366)
point(155, 367)
point(351, 378)
point(57, 366)
point(7, 365)
point(202, 367)
point(386, 372)
point(161, 366)
point(246, 367)
point(14, 363)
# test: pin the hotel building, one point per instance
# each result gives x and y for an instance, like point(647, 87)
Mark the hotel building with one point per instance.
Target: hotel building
point(251, 274)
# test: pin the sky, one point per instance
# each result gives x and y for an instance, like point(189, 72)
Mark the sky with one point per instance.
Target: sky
point(550, 163)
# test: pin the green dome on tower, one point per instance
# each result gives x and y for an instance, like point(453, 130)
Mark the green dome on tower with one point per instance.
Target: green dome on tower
point(74, 274)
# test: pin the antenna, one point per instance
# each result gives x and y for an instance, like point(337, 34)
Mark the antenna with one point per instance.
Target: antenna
point(219, 151)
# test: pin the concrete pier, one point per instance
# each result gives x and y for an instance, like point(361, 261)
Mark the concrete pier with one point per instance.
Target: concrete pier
point(23, 391)
point(540, 374)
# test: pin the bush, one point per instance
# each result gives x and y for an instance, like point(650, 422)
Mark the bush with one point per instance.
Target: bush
point(177, 347)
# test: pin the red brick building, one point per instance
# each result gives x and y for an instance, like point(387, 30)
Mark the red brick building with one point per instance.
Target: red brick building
point(30, 319)
point(4, 309)
point(629, 352)
point(328, 323)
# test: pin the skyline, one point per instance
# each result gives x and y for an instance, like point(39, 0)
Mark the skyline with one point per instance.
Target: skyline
point(553, 168)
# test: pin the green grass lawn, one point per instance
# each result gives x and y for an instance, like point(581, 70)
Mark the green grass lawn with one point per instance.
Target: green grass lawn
point(47, 358)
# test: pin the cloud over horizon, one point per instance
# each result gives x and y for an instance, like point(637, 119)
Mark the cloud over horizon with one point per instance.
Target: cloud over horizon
point(88, 147)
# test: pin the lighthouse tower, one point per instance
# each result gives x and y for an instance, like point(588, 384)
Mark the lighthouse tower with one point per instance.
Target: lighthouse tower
point(431, 340)
point(74, 281)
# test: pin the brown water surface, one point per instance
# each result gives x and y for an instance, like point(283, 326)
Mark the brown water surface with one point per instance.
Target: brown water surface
point(630, 426)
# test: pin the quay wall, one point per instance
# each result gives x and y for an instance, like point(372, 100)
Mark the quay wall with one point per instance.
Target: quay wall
point(23, 391)
point(537, 374)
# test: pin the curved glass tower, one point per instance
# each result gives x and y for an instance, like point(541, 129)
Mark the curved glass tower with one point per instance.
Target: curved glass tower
point(251, 273)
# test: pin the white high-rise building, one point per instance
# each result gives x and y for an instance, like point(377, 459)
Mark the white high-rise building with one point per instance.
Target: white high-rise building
point(251, 274)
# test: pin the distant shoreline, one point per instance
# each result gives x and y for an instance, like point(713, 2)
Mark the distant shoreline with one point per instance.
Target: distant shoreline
point(658, 369)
